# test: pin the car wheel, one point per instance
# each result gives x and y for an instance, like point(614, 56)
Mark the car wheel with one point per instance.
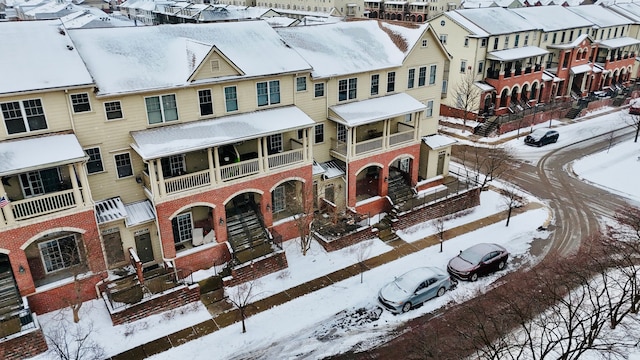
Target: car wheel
point(473, 277)
point(406, 307)
point(441, 291)
point(501, 265)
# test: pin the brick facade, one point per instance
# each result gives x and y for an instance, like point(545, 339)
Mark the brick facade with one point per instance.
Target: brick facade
point(268, 264)
point(27, 345)
point(204, 259)
point(347, 240)
point(165, 302)
point(452, 205)
point(62, 296)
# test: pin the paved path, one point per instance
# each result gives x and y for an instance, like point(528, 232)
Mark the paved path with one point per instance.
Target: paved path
point(224, 319)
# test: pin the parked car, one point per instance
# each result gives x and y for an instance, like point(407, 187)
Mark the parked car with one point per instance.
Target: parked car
point(478, 260)
point(539, 137)
point(414, 287)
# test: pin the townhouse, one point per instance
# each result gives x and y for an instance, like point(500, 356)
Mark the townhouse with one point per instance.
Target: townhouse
point(536, 54)
point(163, 150)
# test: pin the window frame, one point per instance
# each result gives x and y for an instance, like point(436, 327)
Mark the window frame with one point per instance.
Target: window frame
point(106, 104)
point(391, 81)
point(422, 76)
point(180, 223)
point(347, 88)
point(433, 69)
point(163, 110)
point(271, 91)
point(375, 84)
point(463, 66)
point(203, 104)
point(428, 112)
point(228, 100)
point(99, 160)
point(46, 256)
point(116, 164)
point(80, 102)
point(318, 132)
point(411, 78)
point(35, 103)
point(301, 83)
point(318, 90)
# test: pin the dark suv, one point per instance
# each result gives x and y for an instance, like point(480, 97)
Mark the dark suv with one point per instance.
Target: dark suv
point(478, 260)
point(541, 137)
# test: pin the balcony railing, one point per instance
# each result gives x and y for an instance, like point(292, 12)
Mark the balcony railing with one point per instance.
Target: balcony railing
point(244, 168)
point(368, 145)
point(401, 137)
point(187, 181)
point(42, 205)
point(285, 158)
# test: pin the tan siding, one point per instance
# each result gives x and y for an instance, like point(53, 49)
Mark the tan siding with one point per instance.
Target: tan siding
point(206, 71)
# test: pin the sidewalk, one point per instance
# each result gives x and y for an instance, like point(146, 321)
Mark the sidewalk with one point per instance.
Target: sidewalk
point(224, 319)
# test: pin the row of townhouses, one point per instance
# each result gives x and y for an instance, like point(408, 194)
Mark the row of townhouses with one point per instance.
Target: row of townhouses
point(169, 149)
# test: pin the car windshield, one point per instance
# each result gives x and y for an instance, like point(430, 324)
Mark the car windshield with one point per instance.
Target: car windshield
point(406, 283)
point(470, 256)
point(538, 134)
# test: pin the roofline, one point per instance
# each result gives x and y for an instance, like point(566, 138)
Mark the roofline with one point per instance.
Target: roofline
point(45, 90)
point(44, 166)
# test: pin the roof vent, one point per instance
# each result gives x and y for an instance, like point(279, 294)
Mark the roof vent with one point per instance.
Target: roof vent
point(61, 31)
point(69, 47)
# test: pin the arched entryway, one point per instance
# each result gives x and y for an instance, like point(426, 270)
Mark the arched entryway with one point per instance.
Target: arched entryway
point(56, 256)
point(515, 95)
point(534, 91)
point(368, 182)
point(503, 97)
point(287, 199)
point(192, 227)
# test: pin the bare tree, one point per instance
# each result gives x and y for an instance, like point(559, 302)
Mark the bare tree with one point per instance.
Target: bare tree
point(511, 199)
point(76, 253)
point(466, 95)
point(241, 296)
point(303, 219)
point(73, 341)
point(634, 121)
point(484, 163)
point(362, 251)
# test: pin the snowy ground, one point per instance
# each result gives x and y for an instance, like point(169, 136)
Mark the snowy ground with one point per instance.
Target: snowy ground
point(335, 318)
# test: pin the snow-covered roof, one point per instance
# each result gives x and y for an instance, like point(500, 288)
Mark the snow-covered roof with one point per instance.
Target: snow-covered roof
point(26, 70)
point(487, 19)
point(376, 109)
point(630, 10)
point(139, 212)
point(483, 86)
point(48, 8)
point(579, 69)
point(332, 169)
point(475, 4)
point(437, 141)
point(279, 21)
point(619, 42)
point(22, 155)
point(516, 53)
point(350, 47)
point(109, 210)
point(552, 18)
point(197, 135)
point(599, 15)
point(155, 57)
point(464, 22)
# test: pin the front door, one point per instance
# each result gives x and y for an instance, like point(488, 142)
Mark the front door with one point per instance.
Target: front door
point(113, 247)
point(440, 169)
point(143, 247)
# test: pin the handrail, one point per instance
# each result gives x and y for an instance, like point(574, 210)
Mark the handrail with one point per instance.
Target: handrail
point(43, 204)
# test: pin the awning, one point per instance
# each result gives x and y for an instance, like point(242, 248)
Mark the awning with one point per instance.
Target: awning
point(436, 142)
point(483, 86)
point(198, 135)
point(581, 69)
point(372, 110)
point(18, 156)
point(516, 53)
point(113, 209)
point(618, 42)
point(139, 212)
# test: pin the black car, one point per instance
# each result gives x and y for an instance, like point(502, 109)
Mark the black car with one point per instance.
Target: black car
point(478, 260)
point(541, 137)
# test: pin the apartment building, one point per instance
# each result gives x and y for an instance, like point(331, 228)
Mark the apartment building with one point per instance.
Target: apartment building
point(412, 11)
point(536, 54)
point(177, 148)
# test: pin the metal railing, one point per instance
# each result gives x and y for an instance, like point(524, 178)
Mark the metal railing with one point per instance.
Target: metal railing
point(16, 322)
point(368, 145)
point(400, 137)
point(243, 168)
point(285, 158)
point(44, 204)
point(187, 181)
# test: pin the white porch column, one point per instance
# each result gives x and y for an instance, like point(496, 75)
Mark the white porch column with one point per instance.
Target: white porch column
point(351, 143)
point(153, 181)
point(212, 175)
point(7, 210)
point(74, 184)
point(305, 135)
point(263, 154)
point(386, 133)
point(216, 161)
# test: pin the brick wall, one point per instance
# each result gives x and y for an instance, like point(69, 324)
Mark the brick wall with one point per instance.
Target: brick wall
point(204, 259)
point(250, 271)
point(347, 240)
point(165, 302)
point(25, 346)
point(448, 111)
point(454, 204)
point(373, 207)
point(61, 296)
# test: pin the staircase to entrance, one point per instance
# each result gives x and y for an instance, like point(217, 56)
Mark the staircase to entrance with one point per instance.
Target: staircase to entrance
point(247, 234)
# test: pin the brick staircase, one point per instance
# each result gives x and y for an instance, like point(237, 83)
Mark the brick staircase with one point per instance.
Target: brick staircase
point(247, 235)
point(573, 112)
point(398, 189)
point(487, 128)
point(10, 300)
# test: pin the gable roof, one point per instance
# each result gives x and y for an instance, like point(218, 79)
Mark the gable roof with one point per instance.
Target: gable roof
point(486, 18)
point(163, 56)
point(630, 10)
point(552, 18)
point(465, 23)
point(28, 69)
point(599, 15)
point(352, 47)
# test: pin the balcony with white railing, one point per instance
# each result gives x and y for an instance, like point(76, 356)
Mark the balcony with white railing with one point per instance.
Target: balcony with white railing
point(187, 181)
point(240, 169)
point(43, 205)
point(373, 141)
point(400, 138)
point(286, 158)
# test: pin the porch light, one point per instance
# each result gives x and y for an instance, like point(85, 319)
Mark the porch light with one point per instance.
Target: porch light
point(21, 269)
point(386, 179)
point(221, 222)
point(268, 207)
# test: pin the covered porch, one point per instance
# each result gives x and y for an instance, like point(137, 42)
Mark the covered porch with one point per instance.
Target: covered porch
point(214, 153)
point(44, 184)
point(370, 127)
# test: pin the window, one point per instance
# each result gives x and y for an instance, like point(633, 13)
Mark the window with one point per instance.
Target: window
point(425, 42)
point(206, 102)
point(375, 84)
point(463, 66)
point(411, 79)
point(445, 85)
point(391, 81)
point(347, 89)
point(40, 182)
point(422, 76)
point(215, 65)
point(495, 44)
point(123, 165)
point(23, 116)
point(609, 34)
point(268, 92)
point(94, 164)
point(432, 74)
point(161, 109)
point(466, 42)
point(516, 42)
point(275, 143)
point(526, 40)
point(230, 98)
point(443, 39)
point(546, 37)
point(278, 199)
point(506, 42)
point(182, 228)
point(563, 34)
point(174, 165)
point(571, 35)
point(483, 42)
point(59, 254)
point(319, 133)
point(80, 102)
point(480, 67)
point(301, 83)
point(318, 89)
point(113, 110)
point(555, 37)
point(428, 112)
point(341, 133)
